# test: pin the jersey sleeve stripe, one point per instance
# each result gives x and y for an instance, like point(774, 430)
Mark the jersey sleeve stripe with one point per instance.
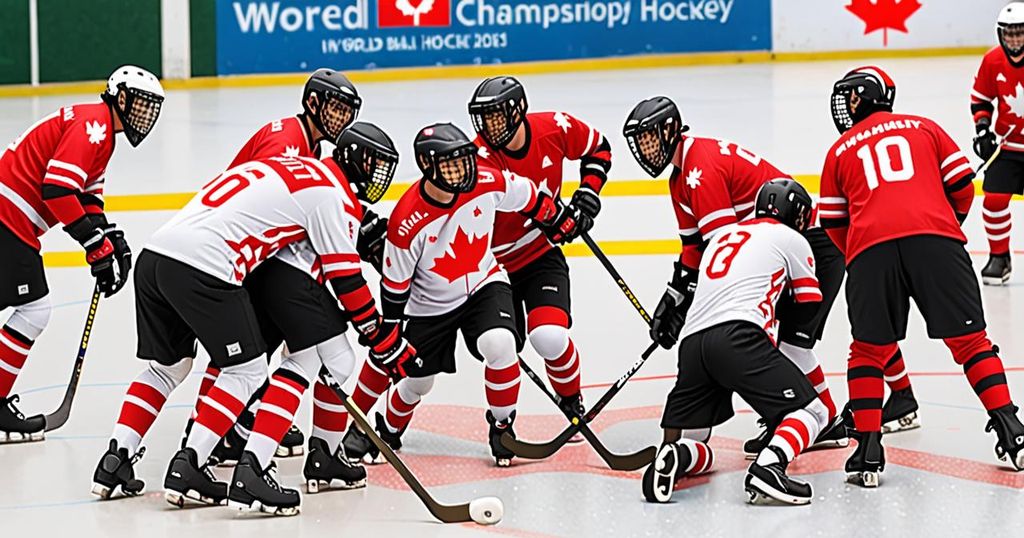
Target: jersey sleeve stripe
point(978, 95)
point(590, 140)
point(953, 157)
point(62, 181)
point(688, 231)
point(396, 287)
point(716, 215)
point(832, 213)
point(686, 209)
point(956, 172)
point(336, 258)
point(54, 163)
point(339, 270)
point(838, 200)
point(806, 282)
point(814, 297)
point(25, 207)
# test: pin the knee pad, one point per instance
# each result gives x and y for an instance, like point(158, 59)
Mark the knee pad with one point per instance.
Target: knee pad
point(804, 359)
point(251, 375)
point(338, 357)
point(876, 353)
point(820, 412)
point(549, 341)
point(498, 348)
point(30, 319)
point(304, 363)
point(412, 389)
point(171, 376)
point(965, 347)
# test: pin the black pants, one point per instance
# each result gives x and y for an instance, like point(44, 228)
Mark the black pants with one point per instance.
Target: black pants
point(799, 324)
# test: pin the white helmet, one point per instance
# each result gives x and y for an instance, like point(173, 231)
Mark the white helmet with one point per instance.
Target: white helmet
point(1010, 25)
point(143, 98)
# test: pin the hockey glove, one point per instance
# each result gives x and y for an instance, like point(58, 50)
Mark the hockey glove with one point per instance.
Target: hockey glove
point(370, 243)
point(985, 141)
point(670, 315)
point(587, 200)
point(565, 223)
point(122, 253)
point(99, 251)
point(390, 351)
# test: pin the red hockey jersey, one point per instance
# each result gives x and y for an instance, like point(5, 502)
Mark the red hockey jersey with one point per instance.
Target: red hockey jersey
point(552, 137)
point(997, 80)
point(69, 148)
point(892, 176)
point(713, 184)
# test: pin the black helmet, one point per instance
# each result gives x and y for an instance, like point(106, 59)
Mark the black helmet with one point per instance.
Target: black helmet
point(446, 157)
point(873, 86)
point(369, 158)
point(337, 102)
point(653, 131)
point(786, 201)
point(498, 108)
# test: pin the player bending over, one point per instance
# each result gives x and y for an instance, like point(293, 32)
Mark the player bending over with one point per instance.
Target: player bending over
point(54, 173)
point(895, 253)
point(188, 287)
point(441, 277)
point(729, 347)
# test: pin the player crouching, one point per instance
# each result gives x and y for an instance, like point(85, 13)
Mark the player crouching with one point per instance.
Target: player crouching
point(729, 346)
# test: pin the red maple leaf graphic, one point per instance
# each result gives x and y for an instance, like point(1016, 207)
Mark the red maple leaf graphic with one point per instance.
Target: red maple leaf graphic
point(884, 15)
point(462, 257)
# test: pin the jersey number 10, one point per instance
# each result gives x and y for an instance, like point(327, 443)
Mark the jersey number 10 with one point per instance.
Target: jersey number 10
point(885, 166)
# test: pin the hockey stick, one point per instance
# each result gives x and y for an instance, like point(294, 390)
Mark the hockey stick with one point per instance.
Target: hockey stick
point(616, 276)
point(984, 167)
point(484, 510)
point(60, 416)
point(533, 451)
point(616, 462)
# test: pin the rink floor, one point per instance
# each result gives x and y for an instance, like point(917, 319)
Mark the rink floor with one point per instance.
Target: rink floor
point(942, 479)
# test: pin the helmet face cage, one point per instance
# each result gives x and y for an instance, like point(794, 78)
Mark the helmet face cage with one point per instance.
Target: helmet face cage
point(141, 110)
point(653, 147)
point(841, 114)
point(456, 171)
point(337, 111)
point(379, 170)
point(1011, 38)
point(498, 122)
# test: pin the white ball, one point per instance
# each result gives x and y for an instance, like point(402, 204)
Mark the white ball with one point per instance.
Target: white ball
point(486, 510)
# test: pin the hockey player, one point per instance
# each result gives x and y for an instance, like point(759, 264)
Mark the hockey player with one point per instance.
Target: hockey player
point(999, 78)
point(330, 104)
point(880, 161)
point(729, 346)
point(441, 275)
point(54, 173)
point(713, 184)
point(188, 286)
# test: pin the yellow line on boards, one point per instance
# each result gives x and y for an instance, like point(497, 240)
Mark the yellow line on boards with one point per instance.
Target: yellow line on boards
point(651, 61)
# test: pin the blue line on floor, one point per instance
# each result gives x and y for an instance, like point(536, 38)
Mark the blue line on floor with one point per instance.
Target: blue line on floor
point(47, 505)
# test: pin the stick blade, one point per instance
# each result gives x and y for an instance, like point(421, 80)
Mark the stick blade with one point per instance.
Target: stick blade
point(534, 451)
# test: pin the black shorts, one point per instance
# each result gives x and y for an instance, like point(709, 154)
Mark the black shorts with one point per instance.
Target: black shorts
point(175, 304)
point(291, 306)
point(22, 279)
point(434, 337)
point(542, 282)
point(936, 271)
point(734, 357)
point(803, 325)
point(1006, 174)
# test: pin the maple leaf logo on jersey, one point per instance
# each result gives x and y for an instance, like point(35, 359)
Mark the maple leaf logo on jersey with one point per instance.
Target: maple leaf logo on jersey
point(693, 178)
point(1016, 101)
point(562, 121)
point(462, 258)
point(884, 15)
point(97, 131)
point(291, 151)
point(482, 152)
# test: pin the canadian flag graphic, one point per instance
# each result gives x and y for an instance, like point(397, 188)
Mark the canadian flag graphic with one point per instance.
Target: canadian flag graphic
point(398, 13)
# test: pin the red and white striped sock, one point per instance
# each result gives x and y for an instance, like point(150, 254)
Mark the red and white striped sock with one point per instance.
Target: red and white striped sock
point(696, 457)
point(564, 371)
point(142, 403)
point(796, 432)
point(276, 414)
point(896, 372)
point(370, 386)
point(502, 389)
point(996, 213)
point(14, 349)
point(399, 411)
point(329, 416)
point(218, 411)
point(209, 378)
point(817, 380)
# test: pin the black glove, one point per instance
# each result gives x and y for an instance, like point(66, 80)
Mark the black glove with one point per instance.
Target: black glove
point(122, 253)
point(566, 223)
point(670, 315)
point(389, 350)
point(99, 251)
point(587, 200)
point(985, 142)
point(370, 243)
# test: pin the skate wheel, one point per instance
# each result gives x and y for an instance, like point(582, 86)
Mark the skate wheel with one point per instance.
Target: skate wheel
point(486, 510)
point(174, 498)
point(503, 462)
point(313, 486)
point(101, 491)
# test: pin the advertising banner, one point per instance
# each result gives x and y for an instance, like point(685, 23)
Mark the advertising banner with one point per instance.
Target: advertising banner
point(298, 35)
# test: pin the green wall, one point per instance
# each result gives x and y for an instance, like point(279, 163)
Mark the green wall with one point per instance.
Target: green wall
point(15, 67)
point(87, 39)
point(203, 37)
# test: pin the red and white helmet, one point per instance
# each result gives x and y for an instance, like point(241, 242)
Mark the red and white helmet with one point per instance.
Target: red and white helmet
point(143, 97)
point(874, 88)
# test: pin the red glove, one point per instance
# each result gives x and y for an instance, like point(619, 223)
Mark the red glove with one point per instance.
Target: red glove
point(390, 351)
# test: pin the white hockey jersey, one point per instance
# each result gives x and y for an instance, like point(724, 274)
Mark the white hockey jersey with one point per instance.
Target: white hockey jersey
point(744, 271)
point(440, 255)
point(252, 211)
